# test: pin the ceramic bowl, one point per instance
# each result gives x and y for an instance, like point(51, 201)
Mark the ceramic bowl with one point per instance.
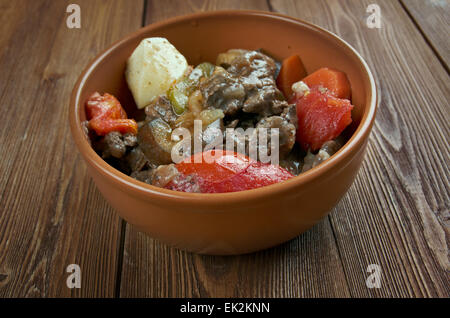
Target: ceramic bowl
point(240, 222)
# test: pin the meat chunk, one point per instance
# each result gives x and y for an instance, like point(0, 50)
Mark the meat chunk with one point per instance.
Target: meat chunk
point(257, 73)
point(223, 91)
point(286, 133)
point(249, 97)
point(144, 176)
point(248, 85)
point(115, 144)
point(255, 67)
point(290, 114)
point(159, 176)
point(265, 101)
point(136, 160)
point(161, 108)
point(328, 149)
point(225, 59)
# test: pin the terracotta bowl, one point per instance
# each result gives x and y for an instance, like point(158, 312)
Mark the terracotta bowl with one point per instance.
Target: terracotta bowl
point(240, 222)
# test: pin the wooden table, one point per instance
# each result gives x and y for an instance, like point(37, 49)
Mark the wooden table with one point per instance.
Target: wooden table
point(395, 215)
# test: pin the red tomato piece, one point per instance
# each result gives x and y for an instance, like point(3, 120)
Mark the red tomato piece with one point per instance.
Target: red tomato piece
point(321, 117)
point(230, 172)
point(258, 175)
point(105, 115)
point(225, 166)
point(103, 127)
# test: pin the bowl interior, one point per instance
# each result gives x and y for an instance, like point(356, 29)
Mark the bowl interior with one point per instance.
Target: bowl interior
point(203, 37)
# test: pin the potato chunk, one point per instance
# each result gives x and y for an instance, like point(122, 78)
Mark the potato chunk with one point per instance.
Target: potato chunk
point(152, 68)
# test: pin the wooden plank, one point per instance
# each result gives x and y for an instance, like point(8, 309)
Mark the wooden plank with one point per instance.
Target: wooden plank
point(172, 8)
point(397, 212)
point(51, 214)
point(433, 18)
point(308, 266)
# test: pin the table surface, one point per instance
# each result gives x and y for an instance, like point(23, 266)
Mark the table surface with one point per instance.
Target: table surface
point(395, 215)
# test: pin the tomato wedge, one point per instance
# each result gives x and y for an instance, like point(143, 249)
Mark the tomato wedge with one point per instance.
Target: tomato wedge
point(229, 172)
point(226, 165)
point(105, 115)
point(321, 117)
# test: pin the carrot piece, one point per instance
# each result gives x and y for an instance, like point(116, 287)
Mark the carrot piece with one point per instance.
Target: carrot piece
point(292, 70)
point(335, 81)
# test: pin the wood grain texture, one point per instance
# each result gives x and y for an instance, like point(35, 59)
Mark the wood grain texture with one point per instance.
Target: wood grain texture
point(433, 19)
point(397, 212)
point(51, 214)
point(308, 266)
point(156, 11)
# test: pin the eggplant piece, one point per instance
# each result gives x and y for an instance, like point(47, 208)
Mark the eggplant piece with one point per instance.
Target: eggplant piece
point(154, 139)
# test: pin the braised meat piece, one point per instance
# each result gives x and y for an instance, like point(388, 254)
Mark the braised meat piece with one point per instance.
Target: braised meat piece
point(328, 149)
point(225, 59)
point(115, 144)
point(224, 91)
point(159, 176)
point(144, 176)
point(265, 101)
point(286, 133)
point(137, 161)
point(257, 73)
point(248, 85)
point(290, 114)
point(254, 67)
point(161, 108)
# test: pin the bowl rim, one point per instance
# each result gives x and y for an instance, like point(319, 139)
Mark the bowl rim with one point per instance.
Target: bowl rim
point(136, 187)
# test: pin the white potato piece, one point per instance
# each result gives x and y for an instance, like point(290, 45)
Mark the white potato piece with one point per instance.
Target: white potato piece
point(152, 68)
